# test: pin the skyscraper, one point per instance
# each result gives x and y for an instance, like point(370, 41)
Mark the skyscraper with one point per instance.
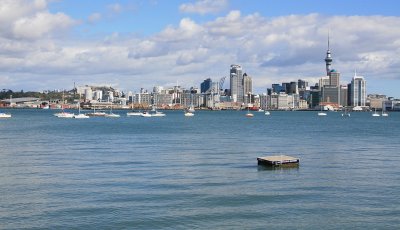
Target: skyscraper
point(236, 83)
point(205, 85)
point(358, 91)
point(247, 87)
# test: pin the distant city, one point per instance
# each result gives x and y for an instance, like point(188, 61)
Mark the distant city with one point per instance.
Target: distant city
point(327, 94)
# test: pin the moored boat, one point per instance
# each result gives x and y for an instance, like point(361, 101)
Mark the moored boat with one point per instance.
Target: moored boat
point(5, 115)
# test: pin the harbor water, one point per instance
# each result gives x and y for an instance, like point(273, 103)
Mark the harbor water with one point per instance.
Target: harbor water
point(199, 172)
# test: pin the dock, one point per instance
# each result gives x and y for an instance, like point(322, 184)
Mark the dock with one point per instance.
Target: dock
point(280, 160)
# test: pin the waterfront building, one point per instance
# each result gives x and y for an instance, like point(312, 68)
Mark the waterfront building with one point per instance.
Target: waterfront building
point(98, 95)
point(343, 95)
point(314, 98)
point(142, 99)
point(274, 100)
point(264, 98)
point(236, 83)
point(358, 91)
point(330, 95)
point(163, 99)
point(283, 102)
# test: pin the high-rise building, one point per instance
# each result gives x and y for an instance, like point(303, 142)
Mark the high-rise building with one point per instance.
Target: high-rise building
point(343, 95)
point(302, 84)
point(358, 91)
point(247, 84)
point(247, 87)
point(236, 83)
point(334, 78)
point(206, 85)
point(293, 88)
point(331, 94)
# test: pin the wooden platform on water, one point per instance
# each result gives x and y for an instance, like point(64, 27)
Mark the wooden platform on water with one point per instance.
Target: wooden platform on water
point(280, 160)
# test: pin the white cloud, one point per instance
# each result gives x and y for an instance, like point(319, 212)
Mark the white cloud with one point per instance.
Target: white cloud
point(271, 50)
point(204, 6)
point(24, 19)
point(41, 24)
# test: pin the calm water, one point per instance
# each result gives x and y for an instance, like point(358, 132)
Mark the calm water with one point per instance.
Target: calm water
point(176, 172)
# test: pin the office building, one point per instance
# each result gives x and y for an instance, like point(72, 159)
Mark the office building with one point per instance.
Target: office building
point(236, 83)
point(358, 91)
point(206, 85)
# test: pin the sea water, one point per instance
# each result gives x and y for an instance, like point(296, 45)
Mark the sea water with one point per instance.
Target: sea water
point(200, 172)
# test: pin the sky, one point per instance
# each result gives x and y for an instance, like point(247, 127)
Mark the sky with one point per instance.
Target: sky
point(133, 44)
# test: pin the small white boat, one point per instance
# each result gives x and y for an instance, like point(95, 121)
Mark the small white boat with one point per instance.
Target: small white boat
point(145, 114)
point(5, 115)
point(189, 114)
point(384, 114)
point(64, 115)
point(321, 114)
point(375, 114)
point(112, 115)
point(260, 110)
point(249, 114)
point(81, 116)
point(267, 113)
point(96, 114)
point(133, 113)
point(158, 114)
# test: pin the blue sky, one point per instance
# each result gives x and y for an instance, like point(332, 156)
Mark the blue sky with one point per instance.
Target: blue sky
point(50, 44)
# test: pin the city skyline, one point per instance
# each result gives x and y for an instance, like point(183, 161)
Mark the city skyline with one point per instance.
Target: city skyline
point(140, 44)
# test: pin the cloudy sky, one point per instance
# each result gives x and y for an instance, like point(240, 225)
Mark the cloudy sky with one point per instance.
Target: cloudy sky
point(130, 44)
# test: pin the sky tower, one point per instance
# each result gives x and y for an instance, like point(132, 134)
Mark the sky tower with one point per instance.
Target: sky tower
point(328, 59)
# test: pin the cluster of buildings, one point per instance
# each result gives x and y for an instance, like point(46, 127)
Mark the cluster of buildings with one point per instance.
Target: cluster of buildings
point(327, 94)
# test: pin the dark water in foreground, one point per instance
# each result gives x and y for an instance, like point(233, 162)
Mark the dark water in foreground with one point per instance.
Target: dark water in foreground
point(200, 172)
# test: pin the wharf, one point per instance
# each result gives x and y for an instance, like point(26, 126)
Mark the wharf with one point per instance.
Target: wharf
point(278, 160)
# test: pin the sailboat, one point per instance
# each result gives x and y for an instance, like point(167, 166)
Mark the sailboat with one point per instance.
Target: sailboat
point(375, 114)
point(111, 114)
point(384, 113)
point(249, 114)
point(80, 115)
point(191, 108)
point(321, 113)
point(96, 114)
point(155, 113)
point(188, 113)
point(133, 113)
point(345, 113)
point(64, 114)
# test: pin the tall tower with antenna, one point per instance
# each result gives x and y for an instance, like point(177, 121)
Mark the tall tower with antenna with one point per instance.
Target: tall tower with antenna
point(328, 59)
